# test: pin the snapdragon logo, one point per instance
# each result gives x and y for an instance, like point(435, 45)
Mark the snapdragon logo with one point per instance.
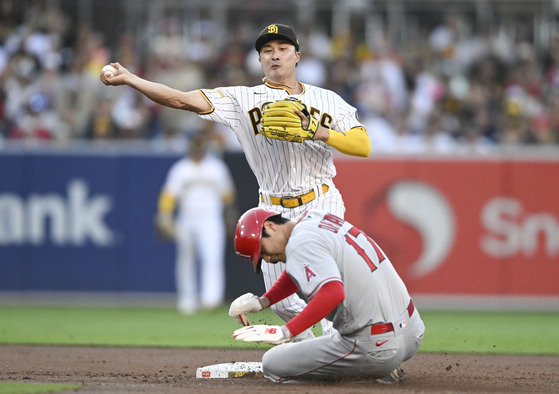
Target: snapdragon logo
point(74, 219)
point(430, 213)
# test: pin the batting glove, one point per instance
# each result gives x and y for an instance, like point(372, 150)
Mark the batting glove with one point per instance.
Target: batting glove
point(273, 335)
point(247, 303)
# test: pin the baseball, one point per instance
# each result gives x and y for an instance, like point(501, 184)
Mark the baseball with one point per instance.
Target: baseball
point(109, 71)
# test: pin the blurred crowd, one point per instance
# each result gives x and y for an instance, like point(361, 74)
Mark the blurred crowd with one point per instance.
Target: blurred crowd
point(452, 89)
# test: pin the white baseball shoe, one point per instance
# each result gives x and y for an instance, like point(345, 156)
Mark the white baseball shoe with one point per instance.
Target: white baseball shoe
point(395, 376)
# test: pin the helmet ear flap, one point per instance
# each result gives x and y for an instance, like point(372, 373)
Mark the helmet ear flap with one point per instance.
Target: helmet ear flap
point(248, 235)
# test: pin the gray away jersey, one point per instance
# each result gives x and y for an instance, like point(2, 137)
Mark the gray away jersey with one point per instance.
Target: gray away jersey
point(324, 248)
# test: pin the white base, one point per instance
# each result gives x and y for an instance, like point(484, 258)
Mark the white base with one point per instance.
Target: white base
point(241, 369)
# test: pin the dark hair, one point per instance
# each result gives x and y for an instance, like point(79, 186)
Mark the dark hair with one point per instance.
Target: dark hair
point(277, 219)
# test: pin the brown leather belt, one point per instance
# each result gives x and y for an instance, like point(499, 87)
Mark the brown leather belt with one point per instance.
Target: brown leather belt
point(381, 328)
point(295, 201)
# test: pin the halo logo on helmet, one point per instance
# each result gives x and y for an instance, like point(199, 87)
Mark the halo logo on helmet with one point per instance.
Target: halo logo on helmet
point(248, 235)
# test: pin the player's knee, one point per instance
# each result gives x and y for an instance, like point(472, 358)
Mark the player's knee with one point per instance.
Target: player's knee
point(273, 363)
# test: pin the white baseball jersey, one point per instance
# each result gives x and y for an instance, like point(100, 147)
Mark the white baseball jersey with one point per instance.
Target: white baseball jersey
point(285, 168)
point(200, 188)
point(281, 167)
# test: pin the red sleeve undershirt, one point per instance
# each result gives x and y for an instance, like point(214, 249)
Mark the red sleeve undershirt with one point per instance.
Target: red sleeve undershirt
point(281, 289)
point(324, 302)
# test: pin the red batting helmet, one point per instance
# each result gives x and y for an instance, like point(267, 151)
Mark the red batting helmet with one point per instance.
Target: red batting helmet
point(248, 234)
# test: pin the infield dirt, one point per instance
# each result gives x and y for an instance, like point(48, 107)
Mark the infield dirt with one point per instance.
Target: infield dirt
point(163, 370)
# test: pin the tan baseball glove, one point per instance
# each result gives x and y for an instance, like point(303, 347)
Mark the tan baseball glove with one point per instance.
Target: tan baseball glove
point(281, 121)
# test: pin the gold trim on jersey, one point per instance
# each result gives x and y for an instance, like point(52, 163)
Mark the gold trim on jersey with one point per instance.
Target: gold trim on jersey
point(209, 102)
point(287, 90)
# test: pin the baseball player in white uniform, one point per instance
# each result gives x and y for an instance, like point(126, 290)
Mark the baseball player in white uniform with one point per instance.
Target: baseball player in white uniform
point(346, 276)
point(292, 176)
point(200, 188)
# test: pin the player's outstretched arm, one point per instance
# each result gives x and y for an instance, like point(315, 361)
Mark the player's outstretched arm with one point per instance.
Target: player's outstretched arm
point(192, 101)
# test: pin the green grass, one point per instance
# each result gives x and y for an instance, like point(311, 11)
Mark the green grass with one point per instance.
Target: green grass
point(34, 388)
point(450, 332)
point(491, 332)
point(112, 326)
point(120, 326)
point(446, 332)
